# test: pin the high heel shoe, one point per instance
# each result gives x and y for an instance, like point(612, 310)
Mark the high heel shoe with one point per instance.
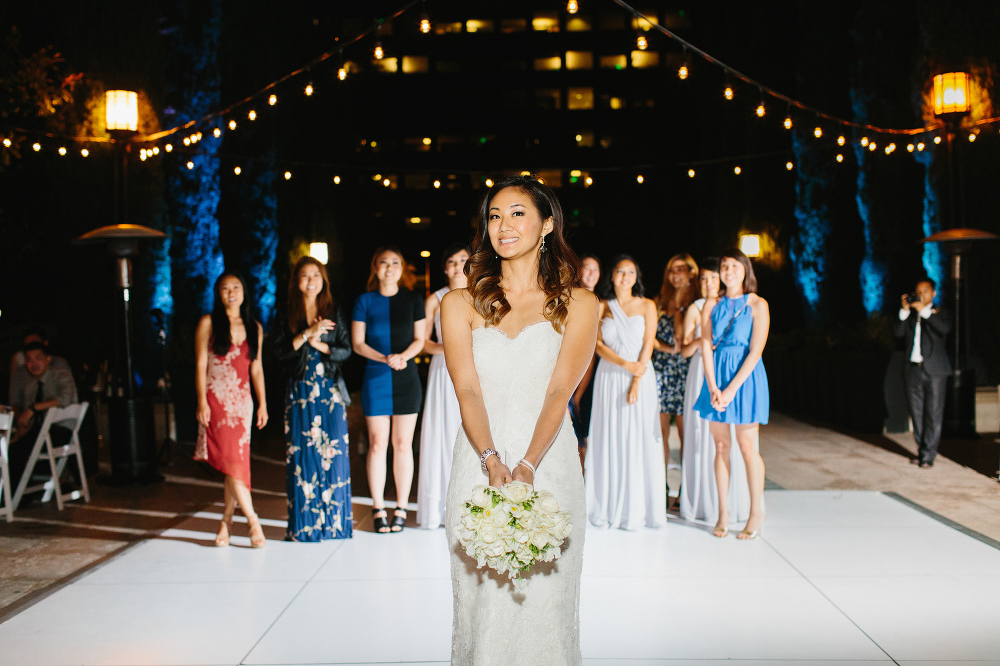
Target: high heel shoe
point(747, 536)
point(398, 521)
point(380, 523)
point(257, 538)
point(221, 541)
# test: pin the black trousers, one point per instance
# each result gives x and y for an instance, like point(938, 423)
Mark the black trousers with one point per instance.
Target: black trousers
point(925, 393)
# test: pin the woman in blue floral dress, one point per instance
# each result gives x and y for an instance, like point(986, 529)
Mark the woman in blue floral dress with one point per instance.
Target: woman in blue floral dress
point(312, 341)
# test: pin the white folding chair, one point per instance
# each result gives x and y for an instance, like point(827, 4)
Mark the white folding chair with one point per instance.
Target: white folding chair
point(6, 428)
point(57, 457)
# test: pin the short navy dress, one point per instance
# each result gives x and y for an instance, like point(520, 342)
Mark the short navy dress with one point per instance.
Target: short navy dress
point(732, 327)
point(389, 324)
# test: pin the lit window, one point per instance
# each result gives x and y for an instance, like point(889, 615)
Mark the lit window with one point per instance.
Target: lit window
point(513, 25)
point(412, 64)
point(447, 28)
point(580, 98)
point(585, 139)
point(555, 62)
point(643, 24)
point(449, 66)
point(546, 22)
point(579, 24)
point(579, 60)
point(613, 62)
point(479, 25)
point(417, 181)
point(548, 98)
point(385, 65)
point(613, 21)
point(551, 178)
point(644, 59)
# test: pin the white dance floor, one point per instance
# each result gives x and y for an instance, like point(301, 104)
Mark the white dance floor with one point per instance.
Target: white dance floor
point(836, 578)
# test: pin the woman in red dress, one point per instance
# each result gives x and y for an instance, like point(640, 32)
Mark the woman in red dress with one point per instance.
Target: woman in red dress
point(227, 348)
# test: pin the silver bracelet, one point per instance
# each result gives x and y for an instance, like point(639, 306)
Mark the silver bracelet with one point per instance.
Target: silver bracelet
point(524, 461)
point(486, 454)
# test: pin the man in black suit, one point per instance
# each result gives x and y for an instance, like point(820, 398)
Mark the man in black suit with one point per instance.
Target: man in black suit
point(924, 330)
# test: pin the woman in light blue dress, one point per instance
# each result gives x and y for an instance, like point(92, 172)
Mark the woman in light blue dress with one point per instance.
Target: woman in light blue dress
point(734, 331)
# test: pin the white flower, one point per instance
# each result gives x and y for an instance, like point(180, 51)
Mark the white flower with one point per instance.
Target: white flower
point(327, 495)
point(319, 369)
point(516, 491)
point(480, 497)
point(547, 502)
point(487, 532)
point(307, 490)
point(500, 517)
point(539, 539)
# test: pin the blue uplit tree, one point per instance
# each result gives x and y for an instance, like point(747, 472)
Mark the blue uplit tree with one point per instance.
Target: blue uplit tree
point(193, 90)
point(808, 249)
point(933, 259)
point(256, 216)
point(872, 274)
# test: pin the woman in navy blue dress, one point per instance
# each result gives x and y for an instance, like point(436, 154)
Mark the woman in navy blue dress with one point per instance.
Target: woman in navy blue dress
point(734, 331)
point(312, 341)
point(388, 330)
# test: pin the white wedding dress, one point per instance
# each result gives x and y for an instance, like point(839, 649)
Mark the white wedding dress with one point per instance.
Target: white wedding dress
point(439, 427)
point(626, 475)
point(493, 624)
point(699, 496)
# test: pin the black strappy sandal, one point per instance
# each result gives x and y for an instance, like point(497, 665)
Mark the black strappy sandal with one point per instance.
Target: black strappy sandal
point(380, 523)
point(398, 521)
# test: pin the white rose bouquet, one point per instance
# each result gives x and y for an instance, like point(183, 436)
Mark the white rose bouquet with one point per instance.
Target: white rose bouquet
point(511, 529)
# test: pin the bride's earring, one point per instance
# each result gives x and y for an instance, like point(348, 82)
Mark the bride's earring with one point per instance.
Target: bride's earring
point(543, 244)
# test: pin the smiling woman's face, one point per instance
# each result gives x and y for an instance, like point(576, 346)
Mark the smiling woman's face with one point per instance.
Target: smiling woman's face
point(389, 267)
point(623, 276)
point(515, 226)
point(310, 280)
point(231, 292)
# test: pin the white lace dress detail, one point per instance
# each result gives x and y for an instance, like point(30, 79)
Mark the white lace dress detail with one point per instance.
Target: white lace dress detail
point(492, 623)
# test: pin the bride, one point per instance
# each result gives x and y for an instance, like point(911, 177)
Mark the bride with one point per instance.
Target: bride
point(517, 342)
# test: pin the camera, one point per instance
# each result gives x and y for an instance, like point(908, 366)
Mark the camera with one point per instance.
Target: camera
point(913, 298)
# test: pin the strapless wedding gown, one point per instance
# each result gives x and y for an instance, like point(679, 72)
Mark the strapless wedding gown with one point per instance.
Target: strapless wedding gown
point(493, 624)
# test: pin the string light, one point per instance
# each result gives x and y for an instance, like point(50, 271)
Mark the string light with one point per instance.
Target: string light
point(62, 151)
point(187, 141)
point(737, 170)
point(909, 147)
point(789, 166)
point(872, 146)
point(6, 143)
point(425, 23)
point(217, 132)
point(818, 132)
point(237, 171)
point(426, 141)
point(761, 110)
point(864, 141)
point(937, 139)
point(682, 72)
point(379, 51)
point(36, 147)
point(142, 153)
point(639, 179)
point(572, 7)
point(272, 100)
point(156, 150)
point(972, 137)
point(252, 115)
point(489, 182)
point(641, 42)
point(690, 173)
point(589, 181)
point(840, 158)
point(728, 92)
point(309, 89)
point(385, 182)
point(85, 152)
point(437, 184)
point(841, 140)
point(377, 176)
point(920, 146)
point(890, 148)
point(190, 165)
point(288, 175)
point(232, 124)
point(788, 122)
point(169, 147)
point(336, 180)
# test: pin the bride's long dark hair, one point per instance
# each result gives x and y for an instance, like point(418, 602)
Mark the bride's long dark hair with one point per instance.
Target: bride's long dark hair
point(558, 266)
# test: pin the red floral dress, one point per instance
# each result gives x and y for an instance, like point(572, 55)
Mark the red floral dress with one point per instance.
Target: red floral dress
point(225, 443)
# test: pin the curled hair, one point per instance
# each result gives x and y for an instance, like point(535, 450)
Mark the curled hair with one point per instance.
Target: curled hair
point(297, 301)
point(606, 289)
point(558, 266)
point(667, 291)
point(222, 336)
point(406, 279)
point(749, 279)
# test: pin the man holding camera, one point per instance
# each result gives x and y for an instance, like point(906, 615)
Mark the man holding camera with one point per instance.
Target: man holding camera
point(924, 330)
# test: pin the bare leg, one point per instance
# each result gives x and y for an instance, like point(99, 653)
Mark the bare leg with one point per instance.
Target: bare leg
point(679, 419)
point(747, 437)
point(378, 445)
point(665, 431)
point(229, 506)
point(402, 456)
point(720, 433)
point(242, 495)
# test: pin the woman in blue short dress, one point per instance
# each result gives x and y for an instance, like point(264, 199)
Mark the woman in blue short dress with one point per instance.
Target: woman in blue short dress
point(312, 340)
point(388, 329)
point(734, 331)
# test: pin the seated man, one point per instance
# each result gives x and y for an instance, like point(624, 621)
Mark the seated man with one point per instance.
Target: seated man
point(47, 386)
point(19, 374)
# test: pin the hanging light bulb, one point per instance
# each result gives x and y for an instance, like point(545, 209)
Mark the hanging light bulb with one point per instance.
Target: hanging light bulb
point(36, 147)
point(840, 158)
point(309, 89)
point(379, 51)
point(336, 180)
point(342, 73)
point(909, 147)
point(187, 141)
point(85, 152)
point(168, 147)
point(818, 132)
point(288, 175)
point(156, 150)
point(920, 146)
point(937, 139)
point(6, 143)
point(142, 153)
point(232, 124)
point(737, 170)
point(425, 23)
point(788, 122)
point(572, 7)
point(864, 141)
point(761, 110)
point(190, 165)
point(789, 166)
point(589, 181)
point(682, 72)
point(217, 132)
point(872, 146)
point(252, 115)
point(437, 184)
point(489, 182)
point(728, 92)
point(237, 171)
point(690, 173)
point(641, 42)
point(639, 179)
point(386, 182)
point(972, 137)
point(272, 100)
point(841, 140)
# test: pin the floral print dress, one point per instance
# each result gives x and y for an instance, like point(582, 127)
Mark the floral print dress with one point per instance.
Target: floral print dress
point(671, 369)
point(318, 465)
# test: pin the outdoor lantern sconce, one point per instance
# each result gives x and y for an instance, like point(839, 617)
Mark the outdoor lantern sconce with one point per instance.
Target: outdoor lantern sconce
point(951, 93)
point(122, 110)
point(750, 245)
point(320, 252)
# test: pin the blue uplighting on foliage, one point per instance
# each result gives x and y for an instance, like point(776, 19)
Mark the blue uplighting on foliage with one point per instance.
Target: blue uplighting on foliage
point(162, 296)
point(933, 259)
point(873, 273)
point(261, 220)
point(808, 246)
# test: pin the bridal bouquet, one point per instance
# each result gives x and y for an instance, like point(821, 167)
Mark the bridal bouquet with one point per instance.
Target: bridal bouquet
point(512, 528)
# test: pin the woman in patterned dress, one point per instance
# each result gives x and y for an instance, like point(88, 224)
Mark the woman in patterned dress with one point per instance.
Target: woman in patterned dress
point(312, 341)
point(671, 368)
point(227, 350)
